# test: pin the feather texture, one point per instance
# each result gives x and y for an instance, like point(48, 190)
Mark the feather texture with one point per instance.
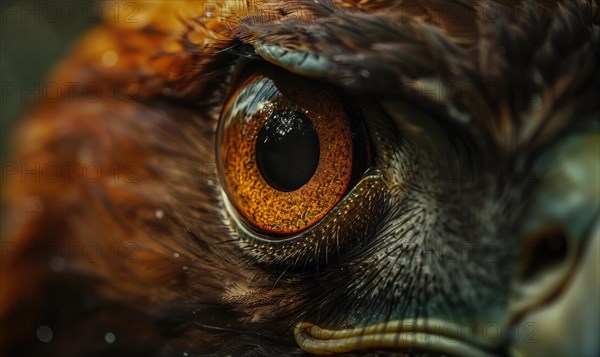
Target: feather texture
point(145, 250)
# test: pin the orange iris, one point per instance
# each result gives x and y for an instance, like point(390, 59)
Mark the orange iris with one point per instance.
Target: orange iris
point(268, 97)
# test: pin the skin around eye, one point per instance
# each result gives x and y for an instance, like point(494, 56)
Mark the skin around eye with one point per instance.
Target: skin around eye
point(284, 148)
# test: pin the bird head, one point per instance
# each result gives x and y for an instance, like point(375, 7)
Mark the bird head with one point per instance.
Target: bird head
point(313, 177)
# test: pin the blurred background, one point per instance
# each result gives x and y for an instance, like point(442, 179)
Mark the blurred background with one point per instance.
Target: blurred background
point(34, 35)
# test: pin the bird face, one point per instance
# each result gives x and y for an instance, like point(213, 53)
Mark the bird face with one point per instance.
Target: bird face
point(316, 178)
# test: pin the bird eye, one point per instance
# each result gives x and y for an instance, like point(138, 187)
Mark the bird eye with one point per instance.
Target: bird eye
point(287, 150)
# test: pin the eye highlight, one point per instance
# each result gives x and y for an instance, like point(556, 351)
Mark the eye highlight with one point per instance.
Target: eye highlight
point(285, 151)
point(287, 140)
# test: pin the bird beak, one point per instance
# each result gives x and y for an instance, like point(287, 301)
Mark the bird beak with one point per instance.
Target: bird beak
point(569, 325)
point(430, 335)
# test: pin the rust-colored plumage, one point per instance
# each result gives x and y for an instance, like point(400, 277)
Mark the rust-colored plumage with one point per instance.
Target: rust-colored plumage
point(132, 238)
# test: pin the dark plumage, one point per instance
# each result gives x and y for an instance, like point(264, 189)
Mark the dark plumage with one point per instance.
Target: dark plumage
point(463, 101)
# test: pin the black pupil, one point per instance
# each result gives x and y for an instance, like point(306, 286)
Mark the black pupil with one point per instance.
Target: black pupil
point(287, 150)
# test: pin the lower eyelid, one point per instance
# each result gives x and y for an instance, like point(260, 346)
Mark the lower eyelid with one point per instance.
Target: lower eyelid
point(347, 225)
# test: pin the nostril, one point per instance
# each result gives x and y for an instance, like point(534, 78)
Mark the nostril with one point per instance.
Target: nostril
point(543, 250)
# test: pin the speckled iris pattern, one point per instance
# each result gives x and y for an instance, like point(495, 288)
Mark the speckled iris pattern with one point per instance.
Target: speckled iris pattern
point(264, 207)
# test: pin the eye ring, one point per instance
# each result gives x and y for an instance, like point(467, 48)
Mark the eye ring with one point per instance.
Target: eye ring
point(346, 225)
point(270, 210)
